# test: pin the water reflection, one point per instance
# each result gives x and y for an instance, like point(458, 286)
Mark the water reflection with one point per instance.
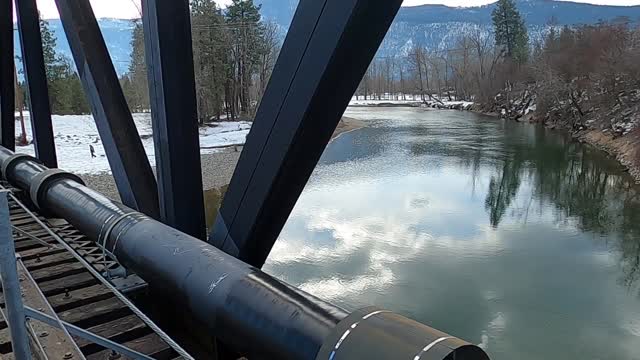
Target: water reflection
point(507, 235)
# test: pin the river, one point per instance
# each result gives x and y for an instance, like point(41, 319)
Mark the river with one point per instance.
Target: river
point(506, 235)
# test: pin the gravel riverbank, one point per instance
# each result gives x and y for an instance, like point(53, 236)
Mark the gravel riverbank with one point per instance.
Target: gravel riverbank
point(217, 170)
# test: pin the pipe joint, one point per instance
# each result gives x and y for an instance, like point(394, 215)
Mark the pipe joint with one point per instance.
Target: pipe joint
point(9, 163)
point(43, 181)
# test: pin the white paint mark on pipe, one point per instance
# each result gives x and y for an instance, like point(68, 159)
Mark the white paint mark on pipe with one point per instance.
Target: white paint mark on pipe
point(214, 284)
point(430, 346)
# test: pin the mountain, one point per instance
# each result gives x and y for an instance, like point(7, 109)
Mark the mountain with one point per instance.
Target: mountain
point(433, 26)
point(439, 26)
point(117, 34)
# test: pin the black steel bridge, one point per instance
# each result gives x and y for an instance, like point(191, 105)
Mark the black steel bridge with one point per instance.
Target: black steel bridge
point(88, 277)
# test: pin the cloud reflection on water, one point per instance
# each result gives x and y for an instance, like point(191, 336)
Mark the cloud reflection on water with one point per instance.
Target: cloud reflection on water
point(412, 229)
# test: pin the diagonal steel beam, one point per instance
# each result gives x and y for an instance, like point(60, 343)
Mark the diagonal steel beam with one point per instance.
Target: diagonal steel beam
point(167, 35)
point(325, 55)
point(35, 76)
point(129, 164)
point(7, 93)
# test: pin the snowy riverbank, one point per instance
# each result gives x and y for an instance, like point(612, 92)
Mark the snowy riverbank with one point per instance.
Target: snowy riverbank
point(76, 133)
point(414, 101)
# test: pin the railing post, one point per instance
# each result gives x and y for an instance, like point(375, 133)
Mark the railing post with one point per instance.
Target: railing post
point(11, 285)
point(35, 76)
point(167, 35)
point(7, 93)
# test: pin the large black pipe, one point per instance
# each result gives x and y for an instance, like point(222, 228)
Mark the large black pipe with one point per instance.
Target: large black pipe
point(244, 307)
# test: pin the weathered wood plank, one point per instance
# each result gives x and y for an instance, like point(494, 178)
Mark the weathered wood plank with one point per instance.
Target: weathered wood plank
point(23, 221)
point(35, 253)
point(120, 331)
point(72, 282)
point(34, 226)
point(151, 344)
point(56, 342)
point(96, 313)
point(28, 245)
point(48, 260)
point(48, 242)
point(79, 297)
point(20, 216)
point(17, 236)
point(58, 271)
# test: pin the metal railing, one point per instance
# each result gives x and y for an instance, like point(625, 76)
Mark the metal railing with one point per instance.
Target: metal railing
point(24, 339)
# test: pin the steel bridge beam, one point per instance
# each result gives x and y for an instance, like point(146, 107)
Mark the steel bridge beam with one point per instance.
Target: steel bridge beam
point(127, 158)
point(324, 57)
point(35, 76)
point(167, 35)
point(7, 93)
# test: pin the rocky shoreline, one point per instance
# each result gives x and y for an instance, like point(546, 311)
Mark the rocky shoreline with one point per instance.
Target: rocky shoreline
point(623, 144)
point(625, 149)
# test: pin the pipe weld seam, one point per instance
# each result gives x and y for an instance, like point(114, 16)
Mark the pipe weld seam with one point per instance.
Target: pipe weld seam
point(13, 160)
point(103, 241)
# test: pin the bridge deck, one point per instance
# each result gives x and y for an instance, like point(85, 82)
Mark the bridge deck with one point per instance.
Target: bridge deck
point(73, 292)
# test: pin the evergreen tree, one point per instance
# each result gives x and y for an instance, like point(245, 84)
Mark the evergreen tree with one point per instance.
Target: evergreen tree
point(135, 83)
point(75, 100)
point(243, 17)
point(55, 72)
point(510, 31)
point(49, 50)
point(211, 57)
point(65, 93)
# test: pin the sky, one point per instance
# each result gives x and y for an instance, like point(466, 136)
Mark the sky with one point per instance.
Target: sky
point(128, 9)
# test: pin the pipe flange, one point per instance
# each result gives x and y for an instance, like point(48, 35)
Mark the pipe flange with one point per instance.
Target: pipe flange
point(42, 181)
point(13, 160)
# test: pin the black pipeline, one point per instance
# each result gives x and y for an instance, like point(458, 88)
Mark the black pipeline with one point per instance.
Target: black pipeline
point(244, 307)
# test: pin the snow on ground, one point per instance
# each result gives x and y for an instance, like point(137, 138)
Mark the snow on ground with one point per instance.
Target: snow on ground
point(226, 133)
point(396, 99)
point(354, 102)
point(462, 103)
point(74, 133)
point(414, 100)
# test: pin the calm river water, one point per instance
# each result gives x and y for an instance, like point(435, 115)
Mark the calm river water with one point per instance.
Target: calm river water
point(503, 234)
